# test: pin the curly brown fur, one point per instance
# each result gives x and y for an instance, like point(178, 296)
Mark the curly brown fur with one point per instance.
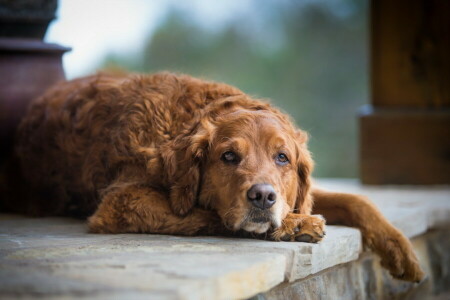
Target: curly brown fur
point(151, 153)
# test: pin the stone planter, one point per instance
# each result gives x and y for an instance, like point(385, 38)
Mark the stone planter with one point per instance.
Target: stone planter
point(27, 69)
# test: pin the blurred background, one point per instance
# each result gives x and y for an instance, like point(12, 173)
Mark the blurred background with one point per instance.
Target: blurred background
point(310, 58)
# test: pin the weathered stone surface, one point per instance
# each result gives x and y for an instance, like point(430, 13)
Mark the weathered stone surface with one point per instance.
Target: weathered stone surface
point(56, 256)
point(361, 279)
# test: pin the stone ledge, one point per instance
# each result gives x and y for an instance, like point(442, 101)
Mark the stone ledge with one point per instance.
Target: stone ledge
point(55, 257)
point(413, 209)
point(364, 278)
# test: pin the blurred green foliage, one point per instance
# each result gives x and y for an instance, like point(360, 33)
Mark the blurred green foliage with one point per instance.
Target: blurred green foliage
point(310, 58)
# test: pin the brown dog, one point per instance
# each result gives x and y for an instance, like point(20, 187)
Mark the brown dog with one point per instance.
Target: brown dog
point(171, 154)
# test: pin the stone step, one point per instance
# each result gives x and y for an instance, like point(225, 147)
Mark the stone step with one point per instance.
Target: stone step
point(55, 257)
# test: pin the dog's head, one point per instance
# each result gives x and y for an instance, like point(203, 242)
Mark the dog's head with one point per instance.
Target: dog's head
point(243, 159)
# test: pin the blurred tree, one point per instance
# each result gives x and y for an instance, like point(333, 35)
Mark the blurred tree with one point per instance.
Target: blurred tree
point(308, 57)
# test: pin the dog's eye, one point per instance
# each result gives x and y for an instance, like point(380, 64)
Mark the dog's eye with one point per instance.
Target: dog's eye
point(230, 157)
point(282, 159)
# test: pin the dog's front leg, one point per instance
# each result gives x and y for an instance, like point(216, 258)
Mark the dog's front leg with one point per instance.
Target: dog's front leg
point(139, 208)
point(389, 243)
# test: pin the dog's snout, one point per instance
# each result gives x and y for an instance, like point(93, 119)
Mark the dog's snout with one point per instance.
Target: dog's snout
point(262, 196)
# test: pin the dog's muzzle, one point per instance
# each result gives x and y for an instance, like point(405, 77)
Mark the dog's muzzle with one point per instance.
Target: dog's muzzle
point(259, 216)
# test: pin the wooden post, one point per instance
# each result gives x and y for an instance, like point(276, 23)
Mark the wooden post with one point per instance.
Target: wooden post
point(405, 132)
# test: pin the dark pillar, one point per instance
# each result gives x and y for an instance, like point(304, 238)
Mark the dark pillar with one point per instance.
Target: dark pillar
point(28, 66)
point(405, 132)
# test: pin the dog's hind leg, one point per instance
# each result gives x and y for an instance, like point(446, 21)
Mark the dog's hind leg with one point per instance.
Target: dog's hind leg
point(388, 242)
point(140, 208)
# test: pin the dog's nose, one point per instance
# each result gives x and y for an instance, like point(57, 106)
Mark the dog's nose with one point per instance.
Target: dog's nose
point(262, 196)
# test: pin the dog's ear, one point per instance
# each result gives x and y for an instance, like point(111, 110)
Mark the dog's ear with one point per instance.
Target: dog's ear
point(304, 201)
point(182, 159)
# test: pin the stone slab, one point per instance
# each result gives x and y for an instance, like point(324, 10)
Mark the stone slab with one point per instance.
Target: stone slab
point(56, 256)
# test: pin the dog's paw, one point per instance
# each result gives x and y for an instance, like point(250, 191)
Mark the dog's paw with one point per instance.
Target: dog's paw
point(301, 228)
point(398, 257)
point(102, 224)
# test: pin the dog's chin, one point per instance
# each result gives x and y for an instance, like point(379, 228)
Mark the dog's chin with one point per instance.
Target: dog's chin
point(256, 227)
point(258, 221)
